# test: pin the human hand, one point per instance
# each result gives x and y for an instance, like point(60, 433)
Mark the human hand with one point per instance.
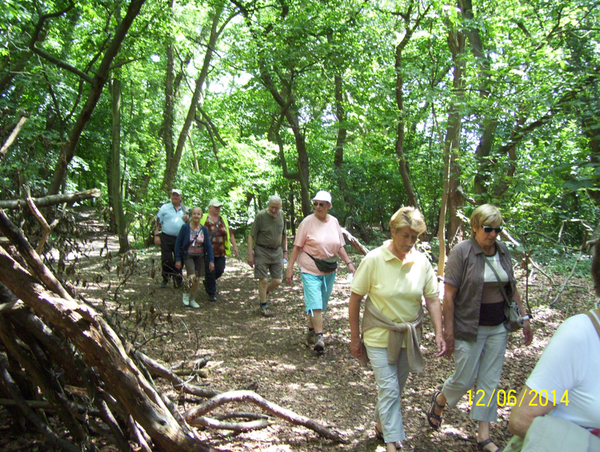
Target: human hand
point(185, 218)
point(251, 259)
point(351, 268)
point(441, 345)
point(157, 240)
point(211, 266)
point(356, 347)
point(449, 339)
point(289, 274)
point(528, 333)
point(178, 265)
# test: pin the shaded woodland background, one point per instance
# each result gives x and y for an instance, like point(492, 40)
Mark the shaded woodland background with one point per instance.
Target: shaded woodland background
point(107, 105)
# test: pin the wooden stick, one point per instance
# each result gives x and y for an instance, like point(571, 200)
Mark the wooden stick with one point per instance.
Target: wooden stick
point(250, 396)
point(13, 136)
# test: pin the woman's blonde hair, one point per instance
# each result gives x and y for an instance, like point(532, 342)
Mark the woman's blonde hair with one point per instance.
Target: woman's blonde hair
point(408, 216)
point(486, 215)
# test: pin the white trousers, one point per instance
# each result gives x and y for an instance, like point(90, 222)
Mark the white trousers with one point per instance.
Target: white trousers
point(390, 379)
point(483, 360)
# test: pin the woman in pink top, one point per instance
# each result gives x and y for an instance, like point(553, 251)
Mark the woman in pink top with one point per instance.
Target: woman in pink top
point(319, 237)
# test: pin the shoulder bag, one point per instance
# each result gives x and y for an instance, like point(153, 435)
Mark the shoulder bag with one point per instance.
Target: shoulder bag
point(514, 321)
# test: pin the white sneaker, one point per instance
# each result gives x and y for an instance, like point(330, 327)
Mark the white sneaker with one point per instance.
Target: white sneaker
point(193, 304)
point(186, 299)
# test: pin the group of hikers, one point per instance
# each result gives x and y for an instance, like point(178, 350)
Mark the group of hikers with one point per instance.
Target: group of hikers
point(556, 410)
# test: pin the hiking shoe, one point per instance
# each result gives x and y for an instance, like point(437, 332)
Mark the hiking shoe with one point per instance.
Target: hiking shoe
point(186, 299)
point(193, 304)
point(311, 338)
point(164, 283)
point(212, 298)
point(319, 344)
point(266, 311)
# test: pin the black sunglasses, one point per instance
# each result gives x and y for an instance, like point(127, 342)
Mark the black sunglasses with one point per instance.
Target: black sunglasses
point(319, 204)
point(489, 229)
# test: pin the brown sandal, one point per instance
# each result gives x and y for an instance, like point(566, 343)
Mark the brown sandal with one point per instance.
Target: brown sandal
point(431, 415)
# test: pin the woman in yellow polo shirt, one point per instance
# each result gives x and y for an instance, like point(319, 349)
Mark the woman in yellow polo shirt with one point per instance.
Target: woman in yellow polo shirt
point(397, 277)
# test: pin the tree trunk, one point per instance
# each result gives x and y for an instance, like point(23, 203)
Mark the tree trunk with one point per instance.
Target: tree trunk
point(68, 150)
point(400, 127)
point(489, 121)
point(456, 42)
point(52, 200)
point(114, 170)
point(289, 111)
point(173, 165)
point(169, 113)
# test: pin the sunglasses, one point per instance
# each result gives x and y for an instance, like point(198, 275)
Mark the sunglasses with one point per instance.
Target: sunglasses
point(319, 204)
point(489, 229)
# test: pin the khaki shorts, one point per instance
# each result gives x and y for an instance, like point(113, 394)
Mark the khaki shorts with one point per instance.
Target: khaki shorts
point(194, 265)
point(268, 261)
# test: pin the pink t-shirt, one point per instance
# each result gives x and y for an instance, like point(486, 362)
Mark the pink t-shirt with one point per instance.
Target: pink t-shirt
point(321, 239)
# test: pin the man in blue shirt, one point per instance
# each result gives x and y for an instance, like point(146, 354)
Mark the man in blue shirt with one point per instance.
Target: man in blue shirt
point(169, 219)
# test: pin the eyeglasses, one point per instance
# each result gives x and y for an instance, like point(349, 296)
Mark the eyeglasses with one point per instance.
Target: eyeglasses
point(319, 204)
point(489, 229)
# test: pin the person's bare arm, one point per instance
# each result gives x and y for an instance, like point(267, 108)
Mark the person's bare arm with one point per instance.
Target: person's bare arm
point(435, 311)
point(353, 317)
point(289, 273)
point(448, 315)
point(528, 405)
point(234, 244)
point(344, 256)
point(251, 251)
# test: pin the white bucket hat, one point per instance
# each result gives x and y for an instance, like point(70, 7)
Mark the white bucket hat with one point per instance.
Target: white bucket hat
point(323, 195)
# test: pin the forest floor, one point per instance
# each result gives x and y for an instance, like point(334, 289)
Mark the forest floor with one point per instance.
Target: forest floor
point(268, 355)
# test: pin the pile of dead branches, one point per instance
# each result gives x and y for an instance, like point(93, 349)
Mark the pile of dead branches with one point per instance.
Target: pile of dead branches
point(67, 373)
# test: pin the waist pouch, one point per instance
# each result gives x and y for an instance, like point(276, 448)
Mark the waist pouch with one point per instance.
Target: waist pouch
point(328, 265)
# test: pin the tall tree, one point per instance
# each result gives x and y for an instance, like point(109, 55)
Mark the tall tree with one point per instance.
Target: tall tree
point(173, 161)
point(113, 173)
point(96, 82)
point(409, 30)
point(451, 197)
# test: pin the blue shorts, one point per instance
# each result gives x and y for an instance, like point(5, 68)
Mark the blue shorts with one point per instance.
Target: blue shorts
point(317, 290)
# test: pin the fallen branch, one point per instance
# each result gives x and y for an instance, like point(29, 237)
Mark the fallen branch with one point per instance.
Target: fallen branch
point(203, 421)
point(47, 228)
point(249, 396)
point(52, 200)
point(354, 242)
point(159, 370)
